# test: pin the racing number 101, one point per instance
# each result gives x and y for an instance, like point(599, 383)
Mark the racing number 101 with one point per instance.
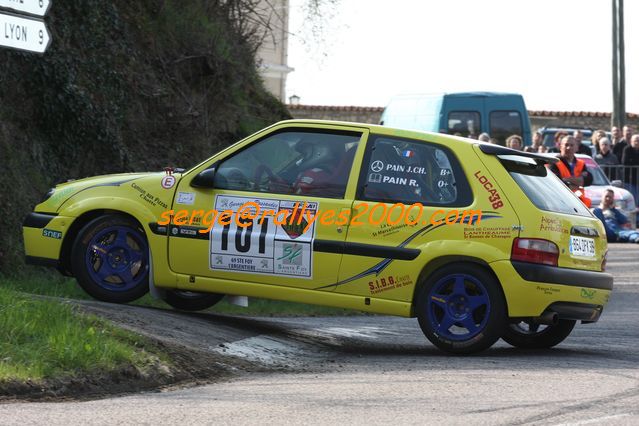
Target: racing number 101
point(243, 242)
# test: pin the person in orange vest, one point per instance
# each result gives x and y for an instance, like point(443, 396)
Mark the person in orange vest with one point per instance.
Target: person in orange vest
point(571, 170)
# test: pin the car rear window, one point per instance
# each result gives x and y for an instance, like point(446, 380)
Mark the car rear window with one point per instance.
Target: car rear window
point(542, 187)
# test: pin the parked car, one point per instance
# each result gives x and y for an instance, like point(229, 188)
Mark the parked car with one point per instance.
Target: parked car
point(550, 132)
point(396, 233)
point(624, 199)
point(468, 113)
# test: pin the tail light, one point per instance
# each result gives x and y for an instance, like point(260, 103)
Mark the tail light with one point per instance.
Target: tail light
point(534, 250)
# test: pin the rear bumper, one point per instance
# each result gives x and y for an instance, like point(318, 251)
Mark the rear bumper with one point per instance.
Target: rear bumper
point(532, 290)
point(563, 276)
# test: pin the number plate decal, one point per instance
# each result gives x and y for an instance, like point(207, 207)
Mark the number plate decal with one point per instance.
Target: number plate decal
point(582, 247)
point(273, 243)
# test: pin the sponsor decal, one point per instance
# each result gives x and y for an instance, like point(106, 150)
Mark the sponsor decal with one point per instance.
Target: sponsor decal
point(186, 198)
point(168, 181)
point(49, 233)
point(493, 196)
point(377, 166)
point(390, 282)
point(500, 232)
point(278, 242)
point(148, 197)
point(59, 194)
point(552, 225)
point(375, 178)
point(588, 293)
point(548, 290)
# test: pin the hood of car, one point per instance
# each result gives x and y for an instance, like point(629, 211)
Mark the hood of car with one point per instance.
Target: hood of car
point(64, 191)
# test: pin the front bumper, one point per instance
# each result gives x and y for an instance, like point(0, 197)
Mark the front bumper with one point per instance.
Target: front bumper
point(43, 234)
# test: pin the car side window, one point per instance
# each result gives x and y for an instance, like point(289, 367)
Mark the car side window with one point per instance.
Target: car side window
point(292, 162)
point(406, 171)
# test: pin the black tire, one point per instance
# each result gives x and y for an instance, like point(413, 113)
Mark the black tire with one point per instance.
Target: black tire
point(527, 335)
point(458, 297)
point(110, 259)
point(191, 301)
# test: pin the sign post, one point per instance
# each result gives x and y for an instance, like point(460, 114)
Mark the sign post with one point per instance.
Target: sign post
point(31, 7)
point(24, 32)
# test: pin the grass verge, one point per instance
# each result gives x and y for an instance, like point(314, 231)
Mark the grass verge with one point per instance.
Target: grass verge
point(46, 339)
point(51, 283)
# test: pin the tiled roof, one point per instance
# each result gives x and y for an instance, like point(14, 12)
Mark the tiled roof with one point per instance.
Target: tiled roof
point(335, 108)
point(540, 113)
point(575, 114)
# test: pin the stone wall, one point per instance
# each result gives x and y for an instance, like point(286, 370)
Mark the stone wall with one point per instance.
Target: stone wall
point(371, 115)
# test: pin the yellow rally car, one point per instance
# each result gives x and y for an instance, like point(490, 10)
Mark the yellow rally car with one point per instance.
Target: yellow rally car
point(475, 240)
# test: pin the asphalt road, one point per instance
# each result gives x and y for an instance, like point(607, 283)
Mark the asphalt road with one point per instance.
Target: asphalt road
point(381, 370)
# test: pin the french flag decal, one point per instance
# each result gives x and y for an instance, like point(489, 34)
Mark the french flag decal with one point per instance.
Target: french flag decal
point(407, 153)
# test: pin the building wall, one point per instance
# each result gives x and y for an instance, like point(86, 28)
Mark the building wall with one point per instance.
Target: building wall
point(272, 56)
point(371, 115)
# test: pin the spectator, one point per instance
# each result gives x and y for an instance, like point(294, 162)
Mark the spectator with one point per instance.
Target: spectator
point(494, 141)
point(558, 137)
point(630, 159)
point(618, 229)
point(618, 144)
point(571, 170)
point(607, 158)
point(514, 142)
point(581, 149)
point(537, 143)
point(484, 137)
point(627, 133)
point(596, 136)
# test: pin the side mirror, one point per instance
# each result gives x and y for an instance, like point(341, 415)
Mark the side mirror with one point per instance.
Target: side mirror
point(617, 183)
point(205, 179)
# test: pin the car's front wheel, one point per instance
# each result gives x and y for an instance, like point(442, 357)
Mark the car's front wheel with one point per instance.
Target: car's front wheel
point(529, 335)
point(190, 300)
point(461, 309)
point(110, 259)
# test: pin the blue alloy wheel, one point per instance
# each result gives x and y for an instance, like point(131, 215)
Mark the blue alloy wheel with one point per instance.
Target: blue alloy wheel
point(117, 258)
point(461, 308)
point(458, 307)
point(110, 259)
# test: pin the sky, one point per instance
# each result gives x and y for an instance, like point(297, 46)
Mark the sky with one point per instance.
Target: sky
point(556, 53)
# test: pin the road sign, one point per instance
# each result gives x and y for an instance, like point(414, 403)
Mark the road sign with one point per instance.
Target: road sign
point(32, 7)
point(23, 33)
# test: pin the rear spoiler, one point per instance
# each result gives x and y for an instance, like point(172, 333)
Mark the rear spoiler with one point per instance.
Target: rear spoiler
point(492, 149)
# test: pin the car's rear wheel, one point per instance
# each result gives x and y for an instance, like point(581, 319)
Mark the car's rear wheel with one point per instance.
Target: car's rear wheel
point(461, 309)
point(110, 259)
point(529, 335)
point(190, 300)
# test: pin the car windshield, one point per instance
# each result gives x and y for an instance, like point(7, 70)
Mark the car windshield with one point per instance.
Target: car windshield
point(543, 188)
point(598, 176)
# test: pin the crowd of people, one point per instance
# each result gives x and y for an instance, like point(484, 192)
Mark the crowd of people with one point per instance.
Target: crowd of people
point(616, 152)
